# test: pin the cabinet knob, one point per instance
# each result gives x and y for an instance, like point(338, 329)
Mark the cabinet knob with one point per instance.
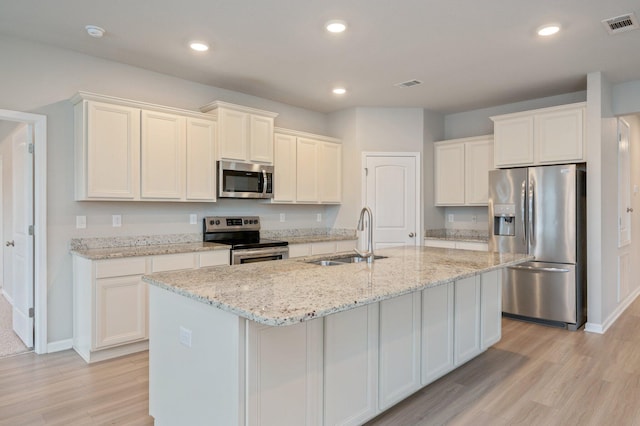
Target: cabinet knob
point(411, 235)
point(10, 243)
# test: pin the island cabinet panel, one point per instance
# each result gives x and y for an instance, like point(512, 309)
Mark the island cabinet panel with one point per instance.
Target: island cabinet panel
point(491, 306)
point(437, 332)
point(399, 356)
point(196, 362)
point(466, 320)
point(284, 374)
point(350, 366)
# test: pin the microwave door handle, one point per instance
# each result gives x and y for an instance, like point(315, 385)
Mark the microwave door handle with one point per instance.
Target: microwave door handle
point(264, 181)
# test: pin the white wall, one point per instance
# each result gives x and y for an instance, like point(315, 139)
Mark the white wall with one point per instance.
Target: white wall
point(40, 79)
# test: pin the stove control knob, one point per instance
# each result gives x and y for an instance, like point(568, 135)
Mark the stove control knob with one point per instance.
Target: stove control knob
point(218, 222)
point(212, 222)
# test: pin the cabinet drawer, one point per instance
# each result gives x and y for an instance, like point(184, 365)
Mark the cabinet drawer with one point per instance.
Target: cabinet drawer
point(173, 262)
point(326, 247)
point(348, 245)
point(121, 267)
point(214, 258)
point(299, 250)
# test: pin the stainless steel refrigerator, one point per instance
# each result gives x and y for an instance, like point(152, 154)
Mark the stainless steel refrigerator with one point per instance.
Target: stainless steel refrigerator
point(542, 211)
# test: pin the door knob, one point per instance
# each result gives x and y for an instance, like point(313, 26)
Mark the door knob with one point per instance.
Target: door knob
point(629, 210)
point(10, 243)
point(411, 234)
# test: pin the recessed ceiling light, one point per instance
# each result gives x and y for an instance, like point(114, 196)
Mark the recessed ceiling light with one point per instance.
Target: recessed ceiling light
point(336, 26)
point(199, 46)
point(549, 29)
point(94, 31)
point(339, 91)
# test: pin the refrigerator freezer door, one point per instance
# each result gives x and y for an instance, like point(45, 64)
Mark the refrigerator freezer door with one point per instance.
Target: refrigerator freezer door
point(552, 213)
point(540, 290)
point(507, 196)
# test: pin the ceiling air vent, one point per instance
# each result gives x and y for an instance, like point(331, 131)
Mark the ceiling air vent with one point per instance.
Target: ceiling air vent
point(621, 23)
point(408, 83)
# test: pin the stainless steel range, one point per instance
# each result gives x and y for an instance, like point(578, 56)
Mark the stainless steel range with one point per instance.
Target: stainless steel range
point(243, 235)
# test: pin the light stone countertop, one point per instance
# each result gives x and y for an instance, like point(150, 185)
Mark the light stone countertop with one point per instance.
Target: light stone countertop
point(149, 250)
point(290, 291)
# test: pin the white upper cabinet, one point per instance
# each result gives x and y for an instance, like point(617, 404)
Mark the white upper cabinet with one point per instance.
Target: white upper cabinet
point(163, 156)
point(543, 136)
point(284, 172)
point(107, 151)
point(201, 160)
point(307, 168)
point(462, 171)
point(244, 134)
point(128, 150)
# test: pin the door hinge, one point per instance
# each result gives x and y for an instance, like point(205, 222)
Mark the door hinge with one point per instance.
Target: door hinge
point(30, 229)
point(30, 148)
point(31, 313)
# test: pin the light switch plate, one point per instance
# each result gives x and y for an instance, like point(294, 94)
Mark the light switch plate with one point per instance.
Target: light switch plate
point(282, 217)
point(81, 222)
point(450, 217)
point(193, 219)
point(116, 220)
point(319, 217)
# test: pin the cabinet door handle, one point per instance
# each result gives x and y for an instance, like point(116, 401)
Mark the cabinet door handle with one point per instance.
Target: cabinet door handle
point(411, 235)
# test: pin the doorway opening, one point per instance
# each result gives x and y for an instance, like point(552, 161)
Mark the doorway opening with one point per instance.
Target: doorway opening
point(24, 239)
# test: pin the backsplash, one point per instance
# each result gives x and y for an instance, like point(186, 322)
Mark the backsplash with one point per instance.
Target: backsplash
point(307, 232)
point(457, 234)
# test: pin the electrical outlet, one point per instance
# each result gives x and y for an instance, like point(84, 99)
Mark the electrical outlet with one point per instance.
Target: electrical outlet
point(474, 219)
point(116, 220)
point(185, 337)
point(81, 222)
point(450, 217)
point(193, 219)
point(282, 218)
point(319, 217)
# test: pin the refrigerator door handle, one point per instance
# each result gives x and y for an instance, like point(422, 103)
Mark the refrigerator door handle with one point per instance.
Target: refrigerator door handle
point(532, 215)
point(537, 269)
point(522, 202)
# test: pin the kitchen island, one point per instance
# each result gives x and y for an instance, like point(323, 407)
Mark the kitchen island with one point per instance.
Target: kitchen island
point(292, 342)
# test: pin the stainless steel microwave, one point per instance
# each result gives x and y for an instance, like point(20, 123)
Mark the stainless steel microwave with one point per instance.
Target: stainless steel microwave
point(244, 180)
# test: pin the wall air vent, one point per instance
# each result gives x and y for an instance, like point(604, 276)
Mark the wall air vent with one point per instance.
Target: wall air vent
point(408, 83)
point(621, 23)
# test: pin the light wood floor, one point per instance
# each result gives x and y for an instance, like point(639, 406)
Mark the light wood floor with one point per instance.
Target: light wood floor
point(535, 376)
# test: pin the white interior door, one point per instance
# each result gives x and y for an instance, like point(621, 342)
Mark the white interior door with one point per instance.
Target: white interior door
point(393, 194)
point(624, 184)
point(21, 239)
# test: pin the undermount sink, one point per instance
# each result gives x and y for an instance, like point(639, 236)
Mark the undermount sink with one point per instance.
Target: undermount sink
point(343, 260)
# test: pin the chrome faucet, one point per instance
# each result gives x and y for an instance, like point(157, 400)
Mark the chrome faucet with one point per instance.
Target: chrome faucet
point(369, 253)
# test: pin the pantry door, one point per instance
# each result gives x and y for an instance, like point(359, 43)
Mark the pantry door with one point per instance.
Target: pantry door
point(392, 191)
point(21, 243)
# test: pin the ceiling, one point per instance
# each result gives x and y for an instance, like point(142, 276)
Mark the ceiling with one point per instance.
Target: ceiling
point(469, 54)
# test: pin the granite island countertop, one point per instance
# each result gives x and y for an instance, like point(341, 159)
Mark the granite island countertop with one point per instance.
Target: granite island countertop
point(290, 291)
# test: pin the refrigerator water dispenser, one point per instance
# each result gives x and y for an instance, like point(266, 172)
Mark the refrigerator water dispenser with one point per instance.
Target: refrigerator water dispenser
point(504, 220)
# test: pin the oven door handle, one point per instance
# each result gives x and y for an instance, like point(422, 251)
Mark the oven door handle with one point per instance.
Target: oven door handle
point(262, 251)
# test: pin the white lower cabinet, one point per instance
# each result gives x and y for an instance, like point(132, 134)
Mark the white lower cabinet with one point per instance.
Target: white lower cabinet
point(110, 300)
point(399, 356)
point(321, 247)
point(351, 366)
point(121, 311)
point(437, 332)
point(289, 390)
point(466, 320)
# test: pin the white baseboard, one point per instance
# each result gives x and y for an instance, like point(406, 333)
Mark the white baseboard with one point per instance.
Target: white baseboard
point(6, 296)
point(60, 345)
point(611, 319)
